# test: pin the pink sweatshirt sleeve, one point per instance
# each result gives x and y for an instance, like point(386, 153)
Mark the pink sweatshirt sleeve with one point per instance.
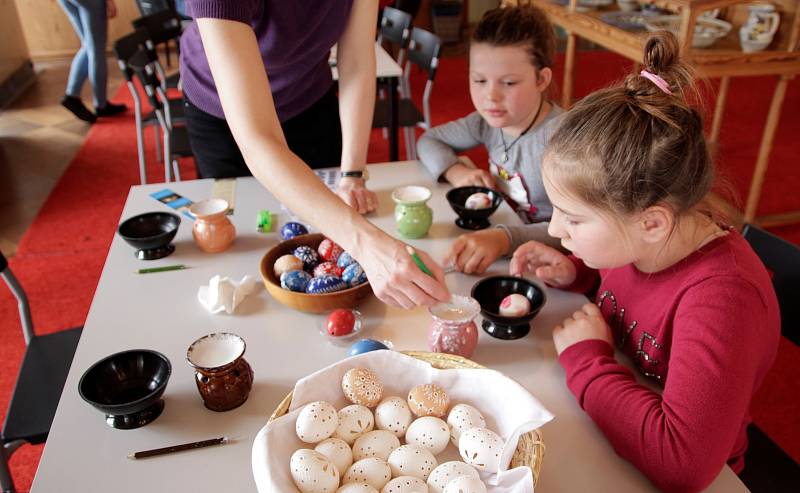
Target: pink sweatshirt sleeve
point(586, 278)
point(682, 438)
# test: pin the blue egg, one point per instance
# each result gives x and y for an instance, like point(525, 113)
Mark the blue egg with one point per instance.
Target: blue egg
point(295, 280)
point(354, 274)
point(344, 260)
point(308, 255)
point(291, 229)
point(365, 346)
point(325, 284)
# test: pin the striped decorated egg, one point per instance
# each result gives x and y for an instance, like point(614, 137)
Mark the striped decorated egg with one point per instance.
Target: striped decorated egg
point(344, 260)
point(325, 284)
point(308, 255)
point(329, 251)
point(327, 269)
point(354, 274)
point(295, 280)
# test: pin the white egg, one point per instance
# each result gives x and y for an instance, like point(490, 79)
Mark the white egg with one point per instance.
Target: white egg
point(376, 443)
point(465, 484)
point(412, 460)
point(405, 484)
point(373, 471)
point(481, 447)
point(478, 200)
point(463, 417)
point(429, 432)
point(337, 451)
point(316, 422)
point(356, 488)
point(393, 414)
point(354, 420)
point(312, 472)
point(444, 473)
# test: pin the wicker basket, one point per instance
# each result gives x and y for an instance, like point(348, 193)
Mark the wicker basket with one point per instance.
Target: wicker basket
point(530, 448)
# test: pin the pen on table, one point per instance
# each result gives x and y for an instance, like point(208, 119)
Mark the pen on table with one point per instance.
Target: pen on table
point(424, 268)
point(164, 268)
point(179, 448)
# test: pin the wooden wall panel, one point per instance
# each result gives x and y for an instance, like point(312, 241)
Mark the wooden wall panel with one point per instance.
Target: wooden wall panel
point(13, 50)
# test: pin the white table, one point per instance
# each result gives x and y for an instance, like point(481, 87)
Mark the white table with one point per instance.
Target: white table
point(161, 312)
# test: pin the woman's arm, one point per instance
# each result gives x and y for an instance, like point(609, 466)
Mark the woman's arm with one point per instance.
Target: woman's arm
point(246, 99)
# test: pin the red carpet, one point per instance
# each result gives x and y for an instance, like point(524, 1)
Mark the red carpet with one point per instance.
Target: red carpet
point(61, 256)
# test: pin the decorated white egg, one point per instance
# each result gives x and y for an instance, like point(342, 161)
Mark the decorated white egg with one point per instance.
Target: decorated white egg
point(357, 488)
point(428, 400)
point(362, 386)
point(463, 417)
point(444, 473)
point(481, 447)
point(465, 484)
point(514, 305)
point(478, 200)
point(337, 451)
point(312, 472)
point(405, 484)
point(378, 443)
point(316, 422)
point(354, 420)
point(373, 471)
point(285, 263)
point(429, 432)
point(412, 460)
point(393, 414)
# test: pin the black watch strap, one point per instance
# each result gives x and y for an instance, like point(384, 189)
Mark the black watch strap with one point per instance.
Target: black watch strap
point(351, 174)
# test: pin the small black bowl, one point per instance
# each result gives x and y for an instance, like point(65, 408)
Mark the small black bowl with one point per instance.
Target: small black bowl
point(490, 292)
point(127, 387)
point(150, 234)
point(473, 219)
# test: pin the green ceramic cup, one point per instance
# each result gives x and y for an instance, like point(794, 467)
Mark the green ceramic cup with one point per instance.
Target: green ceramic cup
point(412, 215)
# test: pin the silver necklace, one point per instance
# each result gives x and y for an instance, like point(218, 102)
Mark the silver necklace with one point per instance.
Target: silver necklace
point(504, 156)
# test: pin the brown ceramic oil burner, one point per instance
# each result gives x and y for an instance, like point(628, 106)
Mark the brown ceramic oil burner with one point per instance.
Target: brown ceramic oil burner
point(223, 377)
point(212, 230)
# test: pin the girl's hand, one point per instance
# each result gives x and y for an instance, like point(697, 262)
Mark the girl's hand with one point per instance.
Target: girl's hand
point(353, 192)
point(474, 252)
point(463, 176)
point(546, 263)
point(111, 9)
point(586, 323)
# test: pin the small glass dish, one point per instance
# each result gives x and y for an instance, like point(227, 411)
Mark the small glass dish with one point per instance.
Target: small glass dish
point(328, 326)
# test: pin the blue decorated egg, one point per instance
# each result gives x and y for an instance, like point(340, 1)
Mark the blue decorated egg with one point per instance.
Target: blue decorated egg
point(295, 280)
point(325, 284)
point(354, 274)
point(290, 230)
point(344, 260)
point(365, 346)
point(308, 255)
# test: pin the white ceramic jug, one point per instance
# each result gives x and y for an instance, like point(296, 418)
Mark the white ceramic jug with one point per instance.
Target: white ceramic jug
point(760, 27)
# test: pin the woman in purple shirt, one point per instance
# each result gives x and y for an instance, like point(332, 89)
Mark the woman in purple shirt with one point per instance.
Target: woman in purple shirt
point(260, 67)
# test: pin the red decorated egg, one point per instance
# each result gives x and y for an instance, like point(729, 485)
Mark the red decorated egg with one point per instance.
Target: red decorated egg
point(329, 251)
point(327, 269)
point(341, 322)
point(514, 305)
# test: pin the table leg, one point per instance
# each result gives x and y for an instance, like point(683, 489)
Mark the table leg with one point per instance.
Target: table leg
point(719, 110)
point(393, 119)
point(569, 72)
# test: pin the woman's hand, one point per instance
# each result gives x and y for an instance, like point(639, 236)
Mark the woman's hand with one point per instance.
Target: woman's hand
point(464, 176)
point(546, 263)
point(111, 9)
point(586, 323)
point(355, 194)
point(474, 252)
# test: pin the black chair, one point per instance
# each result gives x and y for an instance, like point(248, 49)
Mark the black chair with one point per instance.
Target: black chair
point(162, 27)
point(150, 7)
point(40, 381)
point(768, 468)
point(396, 29)
point(423, 53)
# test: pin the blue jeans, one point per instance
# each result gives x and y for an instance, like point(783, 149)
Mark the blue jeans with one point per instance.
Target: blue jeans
point(90, 21)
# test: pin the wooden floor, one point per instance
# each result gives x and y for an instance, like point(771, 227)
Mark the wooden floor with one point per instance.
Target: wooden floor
point(38, 139)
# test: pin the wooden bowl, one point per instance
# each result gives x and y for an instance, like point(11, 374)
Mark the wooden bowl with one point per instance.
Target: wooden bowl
point(311, 303)
point(530, 447)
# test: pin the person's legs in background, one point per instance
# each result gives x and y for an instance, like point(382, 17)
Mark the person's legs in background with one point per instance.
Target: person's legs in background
point(78, 71)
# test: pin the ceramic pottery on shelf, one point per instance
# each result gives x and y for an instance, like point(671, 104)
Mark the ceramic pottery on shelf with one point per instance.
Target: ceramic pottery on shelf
point(412, 214)
point(759, 29)
point(212, 230)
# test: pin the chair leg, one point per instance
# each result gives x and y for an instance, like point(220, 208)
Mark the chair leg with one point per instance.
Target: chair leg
point(6, 481)
point(410, 143)
point(167, 159)
point(176, 170)
point(158, 143)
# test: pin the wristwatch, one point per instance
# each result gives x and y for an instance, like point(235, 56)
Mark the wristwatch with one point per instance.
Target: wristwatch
point(364, 175)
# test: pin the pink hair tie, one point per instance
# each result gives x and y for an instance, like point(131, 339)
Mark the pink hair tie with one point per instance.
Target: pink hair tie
point(658, 81)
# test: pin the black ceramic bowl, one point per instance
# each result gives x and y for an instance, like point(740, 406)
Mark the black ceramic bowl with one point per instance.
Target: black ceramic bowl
point(473, 219)
point(150, 234)
point(127, 387)
point(490, 292)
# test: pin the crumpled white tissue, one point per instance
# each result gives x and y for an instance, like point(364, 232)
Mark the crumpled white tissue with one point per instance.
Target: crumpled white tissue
point(222, 293)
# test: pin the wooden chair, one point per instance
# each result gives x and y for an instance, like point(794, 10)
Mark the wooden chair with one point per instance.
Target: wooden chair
point(40, 381)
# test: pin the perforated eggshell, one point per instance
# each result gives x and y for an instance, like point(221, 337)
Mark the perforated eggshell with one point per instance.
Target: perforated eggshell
point(362, 386)
point(377, 443)
point(337, 451)
point(463, 417)
point(393, 414)
point(444, 473)
point(412, 460)
point(428, 400)
point(465, 484)
point(356, 488)
point(354, 420)
point(430, 433)
point(481, 447)
point(312, 472)
point(316, 422)
point(373, 471)
point(405, 484)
